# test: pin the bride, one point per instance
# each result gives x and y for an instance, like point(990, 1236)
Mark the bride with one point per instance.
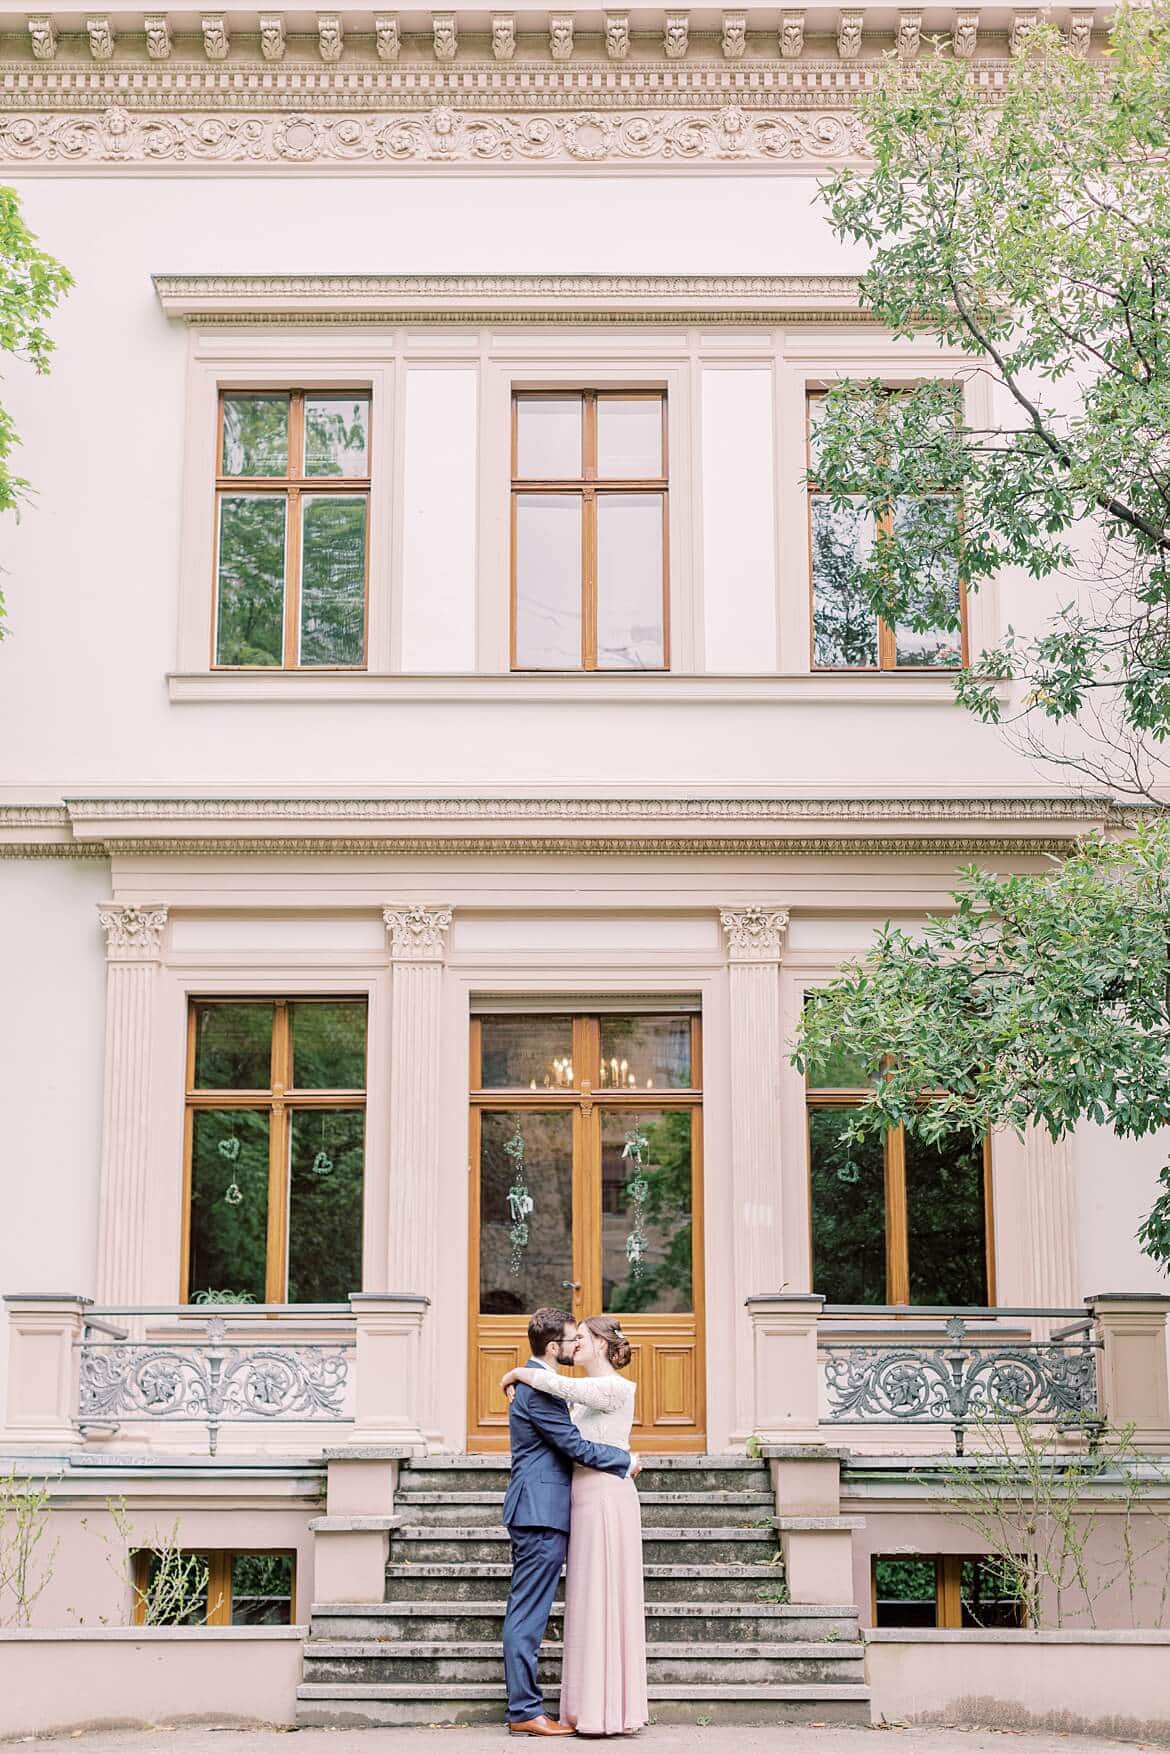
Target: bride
point(603, 1673)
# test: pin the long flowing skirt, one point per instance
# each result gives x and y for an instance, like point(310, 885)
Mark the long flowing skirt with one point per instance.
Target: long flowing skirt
point(603, 1678)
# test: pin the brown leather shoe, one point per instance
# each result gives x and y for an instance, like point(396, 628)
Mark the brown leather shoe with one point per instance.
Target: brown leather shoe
point(540, 1726)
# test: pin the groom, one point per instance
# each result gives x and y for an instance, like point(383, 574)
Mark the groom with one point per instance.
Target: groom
point(545, 1444)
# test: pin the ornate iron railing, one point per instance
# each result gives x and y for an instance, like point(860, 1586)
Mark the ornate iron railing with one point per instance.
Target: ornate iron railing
point(969, 1376)
point(209, 1374)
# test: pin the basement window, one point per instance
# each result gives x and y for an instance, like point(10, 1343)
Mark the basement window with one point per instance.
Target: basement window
point(947, 1590)
point(176, 1587)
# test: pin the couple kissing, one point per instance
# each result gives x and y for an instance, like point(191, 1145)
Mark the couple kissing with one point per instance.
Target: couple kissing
point(571, 1500)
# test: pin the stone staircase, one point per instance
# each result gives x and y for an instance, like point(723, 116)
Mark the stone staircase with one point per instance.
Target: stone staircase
point(724, 1644)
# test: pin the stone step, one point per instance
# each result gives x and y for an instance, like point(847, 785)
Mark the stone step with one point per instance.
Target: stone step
point(413, 1543)
point(659, 1509)
point(666, 1622)
point(481, 1581)
point(356, 1705)
point(699, 1663)
point(680, 1473)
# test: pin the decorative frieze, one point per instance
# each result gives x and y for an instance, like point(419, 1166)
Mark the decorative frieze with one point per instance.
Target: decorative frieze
point(387, 39)
point(754, 934)
point(792, 35)
point(416, 933)
point(133, 933)
point(43, 38)
point(560, 35)
point(734, 35)
point(101, 38)
point(215, 36)
point(503, 36)
point(272, 38)
point(676, 35)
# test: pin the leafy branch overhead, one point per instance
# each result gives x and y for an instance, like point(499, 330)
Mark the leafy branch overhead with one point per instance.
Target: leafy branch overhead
point(1034, 236)
point(31, 284)
point(1040, 1000)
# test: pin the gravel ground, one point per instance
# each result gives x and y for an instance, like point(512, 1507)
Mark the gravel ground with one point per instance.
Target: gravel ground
point(673, 1739)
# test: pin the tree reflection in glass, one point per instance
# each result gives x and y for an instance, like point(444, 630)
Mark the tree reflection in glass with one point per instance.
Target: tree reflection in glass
point(646, 1219)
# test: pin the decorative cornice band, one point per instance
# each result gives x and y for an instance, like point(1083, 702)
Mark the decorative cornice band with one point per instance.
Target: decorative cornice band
point(509, 298)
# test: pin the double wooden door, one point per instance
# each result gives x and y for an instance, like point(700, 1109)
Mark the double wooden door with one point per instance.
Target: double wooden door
point(586, 1161)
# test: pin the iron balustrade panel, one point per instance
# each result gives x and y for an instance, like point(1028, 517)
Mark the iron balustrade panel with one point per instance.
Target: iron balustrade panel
point(966, 1378)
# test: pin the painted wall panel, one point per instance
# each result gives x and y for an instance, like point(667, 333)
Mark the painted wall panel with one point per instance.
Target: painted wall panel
point(438, 521)
point(739, 568)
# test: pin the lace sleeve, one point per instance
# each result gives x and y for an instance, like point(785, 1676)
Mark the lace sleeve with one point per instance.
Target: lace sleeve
point(604, 1393)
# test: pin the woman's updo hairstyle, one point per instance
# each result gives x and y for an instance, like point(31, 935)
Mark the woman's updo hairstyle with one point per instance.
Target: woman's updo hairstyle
point(617, 1347)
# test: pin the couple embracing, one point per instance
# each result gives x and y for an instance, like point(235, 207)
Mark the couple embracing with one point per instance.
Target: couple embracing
point(572, 1492)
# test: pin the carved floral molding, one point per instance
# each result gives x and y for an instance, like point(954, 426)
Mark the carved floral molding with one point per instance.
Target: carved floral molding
point(754, 934)
point(416, 933)
point(133, 933)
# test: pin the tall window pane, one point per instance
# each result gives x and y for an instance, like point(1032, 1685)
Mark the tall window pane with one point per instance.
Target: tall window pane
point(945, 1221)
point(939, 646)
point(848, 1211)
point(630, 634)
point(327, 1152)
point(333, 579)
point(249, 625)
point(548, 581)
point(229, 1205)
point(646, 1257)
point(525, 1211)
point(845, 629)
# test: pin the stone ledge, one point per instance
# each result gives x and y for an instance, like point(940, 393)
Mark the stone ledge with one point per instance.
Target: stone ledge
point(348, 1525)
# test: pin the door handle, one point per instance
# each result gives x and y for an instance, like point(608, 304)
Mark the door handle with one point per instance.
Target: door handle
point(570, 1285)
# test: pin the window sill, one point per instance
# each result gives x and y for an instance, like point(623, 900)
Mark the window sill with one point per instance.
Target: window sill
point(659, 689)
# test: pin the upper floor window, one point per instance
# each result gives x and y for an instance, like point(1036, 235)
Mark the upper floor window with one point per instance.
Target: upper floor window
point(276, 1116)
point(894, 1218)
point(846, 634)
point(589, 531)
point(292, 515)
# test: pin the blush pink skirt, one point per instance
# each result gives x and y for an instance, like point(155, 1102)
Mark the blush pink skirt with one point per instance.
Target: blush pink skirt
point(603, 1677)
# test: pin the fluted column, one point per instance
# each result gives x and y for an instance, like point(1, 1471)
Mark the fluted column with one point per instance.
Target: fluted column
point(417, 938)
point(755, 936)
point(1051, 1196)
point(134, 936)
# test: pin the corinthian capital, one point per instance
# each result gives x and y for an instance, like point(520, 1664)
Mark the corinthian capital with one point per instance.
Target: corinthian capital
point(754, 934)
point(133, 934)
point(416, 934)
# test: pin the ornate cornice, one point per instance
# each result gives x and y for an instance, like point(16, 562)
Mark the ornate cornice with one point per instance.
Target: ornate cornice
point(225, 299)
point(754, 934)
point(133, 933)
point(416, 933)
point(490, 828)
point(498, 90)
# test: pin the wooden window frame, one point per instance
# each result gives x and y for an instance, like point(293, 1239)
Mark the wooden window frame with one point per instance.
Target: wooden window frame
point(887, 635)
point(897, 1227)
point(948, 1585)
point(588, 487)
point(220, 1561)
point(293, 486)
point(280, 1101)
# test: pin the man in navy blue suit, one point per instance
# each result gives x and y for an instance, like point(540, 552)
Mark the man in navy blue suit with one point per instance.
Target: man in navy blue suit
point(545, 1444)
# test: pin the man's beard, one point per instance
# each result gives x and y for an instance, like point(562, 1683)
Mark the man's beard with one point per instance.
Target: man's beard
point(565, 1352)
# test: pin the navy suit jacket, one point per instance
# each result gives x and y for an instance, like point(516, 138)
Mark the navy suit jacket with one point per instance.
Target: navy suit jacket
point(545, 1444)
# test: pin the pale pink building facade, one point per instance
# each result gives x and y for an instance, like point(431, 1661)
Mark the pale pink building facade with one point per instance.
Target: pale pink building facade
point(435, 774)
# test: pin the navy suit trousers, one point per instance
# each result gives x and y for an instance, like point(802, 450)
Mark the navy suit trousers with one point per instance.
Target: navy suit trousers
point(537, 1558)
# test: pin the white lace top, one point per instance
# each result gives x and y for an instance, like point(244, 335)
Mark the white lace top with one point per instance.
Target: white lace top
point(602, 1407)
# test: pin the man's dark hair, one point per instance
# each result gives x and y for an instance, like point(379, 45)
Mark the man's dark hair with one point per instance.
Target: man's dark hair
point(546, 1326)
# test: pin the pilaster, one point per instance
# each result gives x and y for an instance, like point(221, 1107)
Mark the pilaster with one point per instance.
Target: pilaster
point(417, 941)
point(134, 936)
point(755, 936)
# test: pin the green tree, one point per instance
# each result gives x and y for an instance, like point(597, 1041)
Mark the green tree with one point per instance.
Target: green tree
point(31, 283)
point(1034, 235)
point(1041, 1000)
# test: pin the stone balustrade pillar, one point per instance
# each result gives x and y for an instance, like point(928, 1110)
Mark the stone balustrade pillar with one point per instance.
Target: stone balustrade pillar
point(44, 1341)
point(134, 936)
point(754, 936)
point(388, 1367)
point(785, 1377)
point(417, 940)
point(1132, 1363)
